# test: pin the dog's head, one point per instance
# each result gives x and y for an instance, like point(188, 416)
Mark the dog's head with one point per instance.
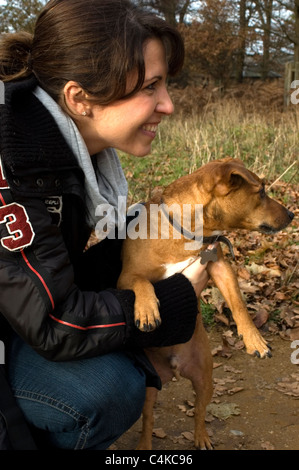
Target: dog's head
point(237, 199)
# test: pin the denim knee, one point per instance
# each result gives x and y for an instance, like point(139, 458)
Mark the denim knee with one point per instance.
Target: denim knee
point(114, 407)
point(84, 404)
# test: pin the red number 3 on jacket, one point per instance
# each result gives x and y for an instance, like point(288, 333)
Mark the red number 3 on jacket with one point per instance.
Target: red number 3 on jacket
point(3, 182)
point(17, 222)
point(20, 230)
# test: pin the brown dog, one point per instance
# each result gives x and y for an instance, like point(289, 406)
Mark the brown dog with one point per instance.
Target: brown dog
point(232, 198)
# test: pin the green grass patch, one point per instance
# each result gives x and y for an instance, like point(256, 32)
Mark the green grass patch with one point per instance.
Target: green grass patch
point(207, 311)
point(267, 144)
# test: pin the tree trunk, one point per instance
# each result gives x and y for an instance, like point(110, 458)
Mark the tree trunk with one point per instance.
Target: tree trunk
point(240, 59)
point(183, 11)
point(168, 9)
point(267, 38)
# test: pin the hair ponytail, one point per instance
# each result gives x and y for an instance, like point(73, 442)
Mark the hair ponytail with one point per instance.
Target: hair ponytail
point(15, 56)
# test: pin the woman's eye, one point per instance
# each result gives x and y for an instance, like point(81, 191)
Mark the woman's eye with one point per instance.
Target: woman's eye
point(151, 87)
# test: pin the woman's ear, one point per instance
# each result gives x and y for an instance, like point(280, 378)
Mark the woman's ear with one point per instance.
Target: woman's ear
point(75, 100)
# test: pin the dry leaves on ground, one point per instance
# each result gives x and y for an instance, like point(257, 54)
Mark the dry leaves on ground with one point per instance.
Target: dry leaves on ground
point(289, 385)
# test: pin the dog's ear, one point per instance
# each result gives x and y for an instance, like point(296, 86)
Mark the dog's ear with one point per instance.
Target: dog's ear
point(232, 175)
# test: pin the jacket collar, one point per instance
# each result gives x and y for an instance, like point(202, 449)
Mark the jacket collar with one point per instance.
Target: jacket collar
point(30, 140)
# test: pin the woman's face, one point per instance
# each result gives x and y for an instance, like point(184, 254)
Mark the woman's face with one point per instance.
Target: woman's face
point(131, 124)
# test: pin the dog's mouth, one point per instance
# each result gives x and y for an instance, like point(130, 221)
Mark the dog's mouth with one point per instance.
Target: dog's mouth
point(282, 223)
point(268, 229)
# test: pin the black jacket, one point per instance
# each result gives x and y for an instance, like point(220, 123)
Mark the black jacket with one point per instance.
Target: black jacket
point(60, 300)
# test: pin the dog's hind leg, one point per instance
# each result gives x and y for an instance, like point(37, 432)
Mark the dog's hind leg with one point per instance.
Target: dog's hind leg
point(199, 369)
point(145, 442)
point(202, 382)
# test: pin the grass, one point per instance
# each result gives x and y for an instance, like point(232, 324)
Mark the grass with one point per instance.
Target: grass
point(267, 142)
point(207, 311)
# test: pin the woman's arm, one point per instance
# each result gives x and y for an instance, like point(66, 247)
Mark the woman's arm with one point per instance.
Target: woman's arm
point(61, 322)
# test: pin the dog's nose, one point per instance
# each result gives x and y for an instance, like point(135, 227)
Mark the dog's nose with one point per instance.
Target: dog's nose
point(291, 214)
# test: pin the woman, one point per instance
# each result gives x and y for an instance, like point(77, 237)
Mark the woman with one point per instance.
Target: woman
point(92, 78)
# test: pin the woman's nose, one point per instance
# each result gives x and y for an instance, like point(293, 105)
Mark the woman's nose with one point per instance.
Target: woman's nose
point(165, 104)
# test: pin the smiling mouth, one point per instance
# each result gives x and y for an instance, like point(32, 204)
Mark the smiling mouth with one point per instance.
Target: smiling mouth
point(152, 128)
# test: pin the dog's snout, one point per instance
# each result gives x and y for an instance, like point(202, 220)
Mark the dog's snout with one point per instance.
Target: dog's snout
point(290, 214)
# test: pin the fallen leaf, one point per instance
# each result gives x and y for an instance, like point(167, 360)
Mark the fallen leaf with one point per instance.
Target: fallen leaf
point(261, 317)
point(234, 390)
point(232, 369)
point(188, 435)
point(223, 410)
point(217, 364)
point(248, 288)
point(217, 299)
point(243, 273)
point(255, 268)
point(294, 334)
point(288, 386)
point(219, 390)
point(228, 338)
point(160, 433)
point(221, 318)
point(216, 350)
point(267, 445)
point(182, 408)
point(190, 403)
point(239, 344)
point(280, 296)
point(235, 432)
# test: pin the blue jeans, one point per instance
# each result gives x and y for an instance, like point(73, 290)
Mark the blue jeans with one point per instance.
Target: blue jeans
point(82, 404)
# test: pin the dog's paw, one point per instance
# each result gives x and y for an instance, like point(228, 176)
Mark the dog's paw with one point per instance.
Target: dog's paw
point(255, 344)
point(203, 442)
point(146, 314)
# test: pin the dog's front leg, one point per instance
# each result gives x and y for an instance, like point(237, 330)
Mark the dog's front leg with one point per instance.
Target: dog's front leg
point(145, 442)
point(225, 279)
point(146, 307)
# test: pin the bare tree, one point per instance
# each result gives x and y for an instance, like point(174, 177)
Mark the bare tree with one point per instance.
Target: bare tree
point(174, 11)
point(296, 30)
point(244, 14)
point(212, 41)
point(288, 24)
point(264, 10)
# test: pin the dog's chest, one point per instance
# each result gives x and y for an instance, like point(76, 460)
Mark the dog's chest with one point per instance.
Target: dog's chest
point(173, 268)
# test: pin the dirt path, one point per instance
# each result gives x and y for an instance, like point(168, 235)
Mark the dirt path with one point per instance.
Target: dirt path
point(250, 409)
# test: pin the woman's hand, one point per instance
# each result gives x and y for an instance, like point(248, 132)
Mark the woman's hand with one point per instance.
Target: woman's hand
point(197, 274)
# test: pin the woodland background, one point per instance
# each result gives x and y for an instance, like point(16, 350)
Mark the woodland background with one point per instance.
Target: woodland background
point(230, 100)
point(223, 37)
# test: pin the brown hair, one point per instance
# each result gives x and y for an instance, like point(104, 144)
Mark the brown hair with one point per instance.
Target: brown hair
point(95, 43)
